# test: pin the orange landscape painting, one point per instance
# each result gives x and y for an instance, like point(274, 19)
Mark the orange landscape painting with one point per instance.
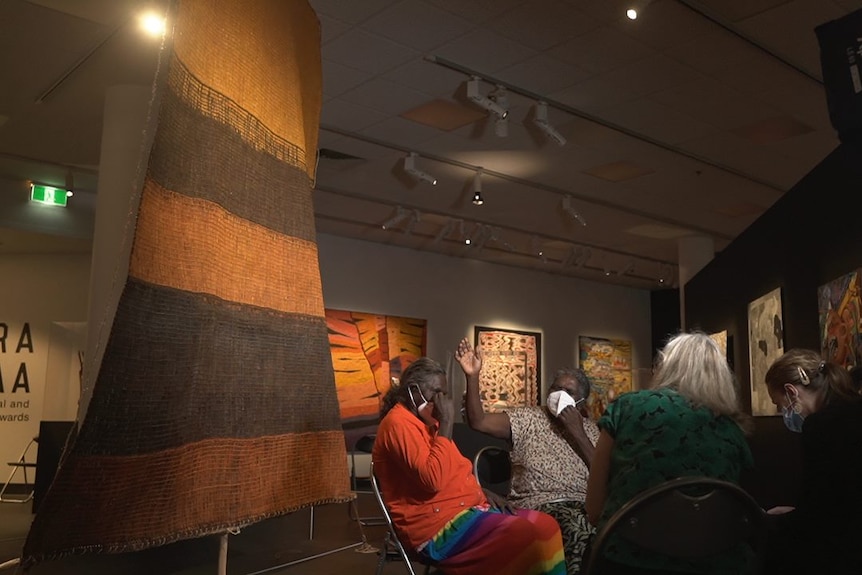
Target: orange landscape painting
point(368, 352)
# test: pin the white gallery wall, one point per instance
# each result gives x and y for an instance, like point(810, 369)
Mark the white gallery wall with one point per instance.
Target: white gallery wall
point(456, 294)
point(49, 293)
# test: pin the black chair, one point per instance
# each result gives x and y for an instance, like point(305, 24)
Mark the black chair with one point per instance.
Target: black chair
point(687, 517)
point(392, 549)
point(493, 469)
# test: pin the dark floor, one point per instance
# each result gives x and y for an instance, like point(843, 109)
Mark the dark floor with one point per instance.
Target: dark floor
point(278, 546)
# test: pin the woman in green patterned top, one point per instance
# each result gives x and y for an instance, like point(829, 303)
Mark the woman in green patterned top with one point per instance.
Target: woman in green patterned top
point(689, 423)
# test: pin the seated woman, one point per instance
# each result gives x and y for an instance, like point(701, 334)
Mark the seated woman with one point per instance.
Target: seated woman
point(688, 424)
point(438, 508)
point(823, 532)
point(551, 449)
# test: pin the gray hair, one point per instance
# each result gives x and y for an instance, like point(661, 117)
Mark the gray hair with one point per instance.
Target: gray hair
point(578, 375)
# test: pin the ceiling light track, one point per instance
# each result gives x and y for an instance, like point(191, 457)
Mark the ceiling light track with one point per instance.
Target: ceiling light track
point(531, 184)
point(404, 211)
point(720, 22)
point(602, 122)
point(505, 247)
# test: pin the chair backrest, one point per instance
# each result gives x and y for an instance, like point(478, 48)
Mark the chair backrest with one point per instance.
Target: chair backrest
point(493, 469)
point(687, 517)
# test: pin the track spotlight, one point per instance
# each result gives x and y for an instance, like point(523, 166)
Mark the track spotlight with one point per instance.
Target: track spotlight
point(541, 120)
point(395, 219)
point(444, 231)
point(415, 218)
point(410, 168)
point(572, 212)
point(501, 124)
point(483, 101)
point(477, 189)
point(629, 268)
point(536, 246)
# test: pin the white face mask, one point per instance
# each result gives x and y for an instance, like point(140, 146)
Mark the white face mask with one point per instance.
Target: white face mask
point(560, 400)
point(422, 406)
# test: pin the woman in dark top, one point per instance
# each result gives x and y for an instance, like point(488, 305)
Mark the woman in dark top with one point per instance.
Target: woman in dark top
point(823, 533)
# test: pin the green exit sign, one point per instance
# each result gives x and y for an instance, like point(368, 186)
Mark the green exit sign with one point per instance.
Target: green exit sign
point(48, 195)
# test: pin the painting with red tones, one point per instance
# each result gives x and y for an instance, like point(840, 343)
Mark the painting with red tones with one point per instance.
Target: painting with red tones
point(369, 351)
point(838, 309)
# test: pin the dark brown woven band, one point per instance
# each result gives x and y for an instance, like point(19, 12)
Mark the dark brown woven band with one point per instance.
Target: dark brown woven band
point(224, 368)
point(180, 493)
point(253, 181)
point(191, 244)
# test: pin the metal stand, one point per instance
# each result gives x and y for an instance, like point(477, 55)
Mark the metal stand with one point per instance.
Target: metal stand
point(363, 543)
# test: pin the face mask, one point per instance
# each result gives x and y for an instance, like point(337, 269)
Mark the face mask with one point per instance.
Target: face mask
point(560, 400)
point(422, 406)
point(793, 420)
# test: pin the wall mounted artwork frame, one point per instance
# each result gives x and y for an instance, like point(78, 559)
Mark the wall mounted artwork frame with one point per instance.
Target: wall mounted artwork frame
point(368, 351)
point(838, 308)
point(765, 345)
point(511, 367)
point(608, 364)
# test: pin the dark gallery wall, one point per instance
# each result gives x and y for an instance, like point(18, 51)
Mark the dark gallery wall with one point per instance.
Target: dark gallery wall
point(811, 236)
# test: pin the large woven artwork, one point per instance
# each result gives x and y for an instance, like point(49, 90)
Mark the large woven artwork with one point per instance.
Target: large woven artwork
point(608, 364)
point(215, 404)
point(765, 345)
point(511, 373)
point(839, 312)
point(368, 352)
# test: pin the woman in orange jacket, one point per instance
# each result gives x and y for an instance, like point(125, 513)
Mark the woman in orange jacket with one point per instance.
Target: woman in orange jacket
point(438, 508)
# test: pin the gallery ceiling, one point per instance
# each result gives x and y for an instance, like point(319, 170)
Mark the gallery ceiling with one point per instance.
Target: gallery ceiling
point(689, 121)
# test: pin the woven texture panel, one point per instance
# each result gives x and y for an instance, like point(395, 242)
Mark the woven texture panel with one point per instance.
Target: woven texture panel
point(215, 403)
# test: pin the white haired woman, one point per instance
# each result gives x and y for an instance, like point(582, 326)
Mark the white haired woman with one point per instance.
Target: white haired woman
point(688, 424)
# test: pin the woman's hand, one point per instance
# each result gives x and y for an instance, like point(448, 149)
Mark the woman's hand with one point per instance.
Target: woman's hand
point(498, 502)
point(469, 358)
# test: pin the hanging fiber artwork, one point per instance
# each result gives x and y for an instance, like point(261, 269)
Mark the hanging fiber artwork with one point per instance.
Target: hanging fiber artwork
point(214, 406)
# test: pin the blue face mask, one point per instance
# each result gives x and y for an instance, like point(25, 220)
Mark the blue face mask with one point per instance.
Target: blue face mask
point(792, 419)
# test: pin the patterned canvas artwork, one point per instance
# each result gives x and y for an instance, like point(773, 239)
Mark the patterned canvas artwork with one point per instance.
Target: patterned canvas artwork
point(510, 368)
point(765, 345)
point(368, 352)
point(608, 364)
point(839, 311)
point(720, 339)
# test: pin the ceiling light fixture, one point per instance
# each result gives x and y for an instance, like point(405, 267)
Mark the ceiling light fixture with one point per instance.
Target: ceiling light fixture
point(629, 268)
point(415, 218)
point(444, 231)
point(572, 212)
point(541, 120)
point(70, 184)
point(410, 168)
point(632, 14)
point(477, 98)
point(400, 214)
point(153, 24)
point(477, 188)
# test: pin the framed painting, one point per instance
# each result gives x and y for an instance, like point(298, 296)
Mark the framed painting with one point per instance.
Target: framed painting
point(608, 364)
point(369, 351)
point(838, 307)
point(765, 345)
point(510, 367)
